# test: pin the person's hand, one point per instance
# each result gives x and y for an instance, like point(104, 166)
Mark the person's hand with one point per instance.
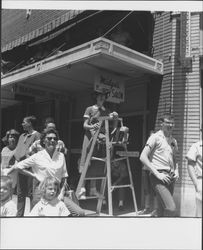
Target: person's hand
point(198, 188)
point(35, 177)
point(95, 126)
point(176, 175)
point(165, 178)
point(114, 115)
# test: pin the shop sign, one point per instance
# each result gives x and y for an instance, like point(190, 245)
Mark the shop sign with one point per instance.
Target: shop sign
point(105, 82)
point(37, 92)
point(185, 43)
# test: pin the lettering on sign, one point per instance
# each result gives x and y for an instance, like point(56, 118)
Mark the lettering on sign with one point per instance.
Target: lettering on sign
point(110, 83)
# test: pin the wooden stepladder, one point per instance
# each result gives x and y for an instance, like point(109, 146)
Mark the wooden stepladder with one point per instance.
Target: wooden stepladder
point(105, 177)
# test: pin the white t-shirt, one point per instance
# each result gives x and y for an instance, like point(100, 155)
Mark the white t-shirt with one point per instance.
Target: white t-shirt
point(163, 152)
point(8, 208)
point(44, 166)
point(51, 208)
point(195, 154)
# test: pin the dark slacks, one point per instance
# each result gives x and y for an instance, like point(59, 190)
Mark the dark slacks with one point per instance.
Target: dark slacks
point(24, 189)
point(164, 192)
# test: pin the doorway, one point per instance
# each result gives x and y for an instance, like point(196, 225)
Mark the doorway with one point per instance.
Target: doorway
point(135, 125)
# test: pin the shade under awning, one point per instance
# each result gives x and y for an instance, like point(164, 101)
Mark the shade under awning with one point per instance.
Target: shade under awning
point(74, 69)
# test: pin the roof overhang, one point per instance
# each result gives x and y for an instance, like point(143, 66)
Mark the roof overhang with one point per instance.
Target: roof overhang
point(73, 70)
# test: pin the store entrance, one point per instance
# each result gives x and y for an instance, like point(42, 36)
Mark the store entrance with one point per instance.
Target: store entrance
point(135, 125)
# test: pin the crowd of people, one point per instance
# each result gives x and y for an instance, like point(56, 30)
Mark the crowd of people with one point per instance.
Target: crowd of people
point(33, 165)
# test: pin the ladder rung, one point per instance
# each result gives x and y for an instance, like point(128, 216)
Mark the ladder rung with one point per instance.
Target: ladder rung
point(121, 186)
point(95, 178)
point(92, 197)
point(98, 159)
point(119, 159)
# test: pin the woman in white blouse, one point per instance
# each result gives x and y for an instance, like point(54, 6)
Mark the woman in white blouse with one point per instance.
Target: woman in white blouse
point(48, 162)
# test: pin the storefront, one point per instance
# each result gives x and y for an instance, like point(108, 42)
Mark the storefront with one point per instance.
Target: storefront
point(61, 86)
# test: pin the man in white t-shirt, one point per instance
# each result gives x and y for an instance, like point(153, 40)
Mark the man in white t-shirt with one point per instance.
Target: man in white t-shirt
point(159, 156)
point(194, 158)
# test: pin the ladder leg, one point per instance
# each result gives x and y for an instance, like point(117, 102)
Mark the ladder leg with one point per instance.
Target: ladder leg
point(108, 166)
point(82, 177)
point(131, 181)
point(102, 192)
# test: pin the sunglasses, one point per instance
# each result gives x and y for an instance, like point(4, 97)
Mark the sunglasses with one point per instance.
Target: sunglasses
point(52, 138)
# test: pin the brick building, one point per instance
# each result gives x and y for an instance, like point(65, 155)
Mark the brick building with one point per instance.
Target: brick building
point(160, 70)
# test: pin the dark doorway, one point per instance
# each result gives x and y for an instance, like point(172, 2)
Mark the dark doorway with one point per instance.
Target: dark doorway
point(135, 125)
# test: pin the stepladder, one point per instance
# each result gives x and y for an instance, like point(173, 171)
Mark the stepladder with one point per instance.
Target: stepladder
point(102, 156)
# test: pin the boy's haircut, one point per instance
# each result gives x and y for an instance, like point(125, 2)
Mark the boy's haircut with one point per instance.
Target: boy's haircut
point(46, 182)
point(8, 181)
point(167, 116)
point(32, 119)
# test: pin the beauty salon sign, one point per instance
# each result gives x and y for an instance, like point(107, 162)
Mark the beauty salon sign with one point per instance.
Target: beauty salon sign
point(105, 82)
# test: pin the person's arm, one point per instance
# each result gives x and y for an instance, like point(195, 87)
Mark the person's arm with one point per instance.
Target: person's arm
point(88, 126)
point(144, 158)
point(192, 174)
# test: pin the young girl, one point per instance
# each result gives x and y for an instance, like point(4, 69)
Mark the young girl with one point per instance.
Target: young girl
point(50, 205)
point(8, 207)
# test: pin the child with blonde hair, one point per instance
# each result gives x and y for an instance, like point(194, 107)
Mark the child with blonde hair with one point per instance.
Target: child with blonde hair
point(49, 204)
point(8, 207)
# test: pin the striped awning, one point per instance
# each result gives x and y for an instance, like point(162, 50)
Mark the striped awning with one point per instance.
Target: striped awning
point(45, 30)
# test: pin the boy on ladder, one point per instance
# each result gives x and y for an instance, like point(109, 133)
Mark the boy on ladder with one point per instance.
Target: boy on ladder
point(91, 125)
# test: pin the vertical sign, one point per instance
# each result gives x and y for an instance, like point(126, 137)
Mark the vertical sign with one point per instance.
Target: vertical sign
point(185, 19)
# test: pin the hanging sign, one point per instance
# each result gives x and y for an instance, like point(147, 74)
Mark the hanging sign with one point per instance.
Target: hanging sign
point(105, 82)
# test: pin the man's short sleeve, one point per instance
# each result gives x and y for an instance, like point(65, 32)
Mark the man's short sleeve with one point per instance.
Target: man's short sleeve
point(87, 113)
point(151, 142)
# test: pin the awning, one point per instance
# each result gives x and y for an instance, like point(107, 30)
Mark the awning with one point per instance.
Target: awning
point(74, 69)
point(45, 30)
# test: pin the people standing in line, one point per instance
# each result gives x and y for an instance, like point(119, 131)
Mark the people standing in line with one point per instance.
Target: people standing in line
point(8, 207)
point(159, 156)
point(48, 163)
point(36, 146)
point(91, 125)
point(24, 184)
point(49, 204)
point(7, 154)
point(194, 166)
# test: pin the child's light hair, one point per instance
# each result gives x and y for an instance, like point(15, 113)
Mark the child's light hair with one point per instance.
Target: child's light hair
point(47, 181)
point(8, 182)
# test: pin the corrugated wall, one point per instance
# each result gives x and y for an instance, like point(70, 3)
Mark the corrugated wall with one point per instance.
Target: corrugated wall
point(162, 44)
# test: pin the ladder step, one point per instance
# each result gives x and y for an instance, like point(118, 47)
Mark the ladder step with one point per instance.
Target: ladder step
point(119, 159)
point(98, 159)
point(121, 186)
point(92, 197)
point(95, 178)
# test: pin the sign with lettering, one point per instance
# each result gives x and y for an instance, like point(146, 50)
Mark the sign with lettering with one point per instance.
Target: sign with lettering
point(37, 92)
point(185, 44)
point(105, 82)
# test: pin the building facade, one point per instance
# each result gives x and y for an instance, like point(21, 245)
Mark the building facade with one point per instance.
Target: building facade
point(154, 66)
